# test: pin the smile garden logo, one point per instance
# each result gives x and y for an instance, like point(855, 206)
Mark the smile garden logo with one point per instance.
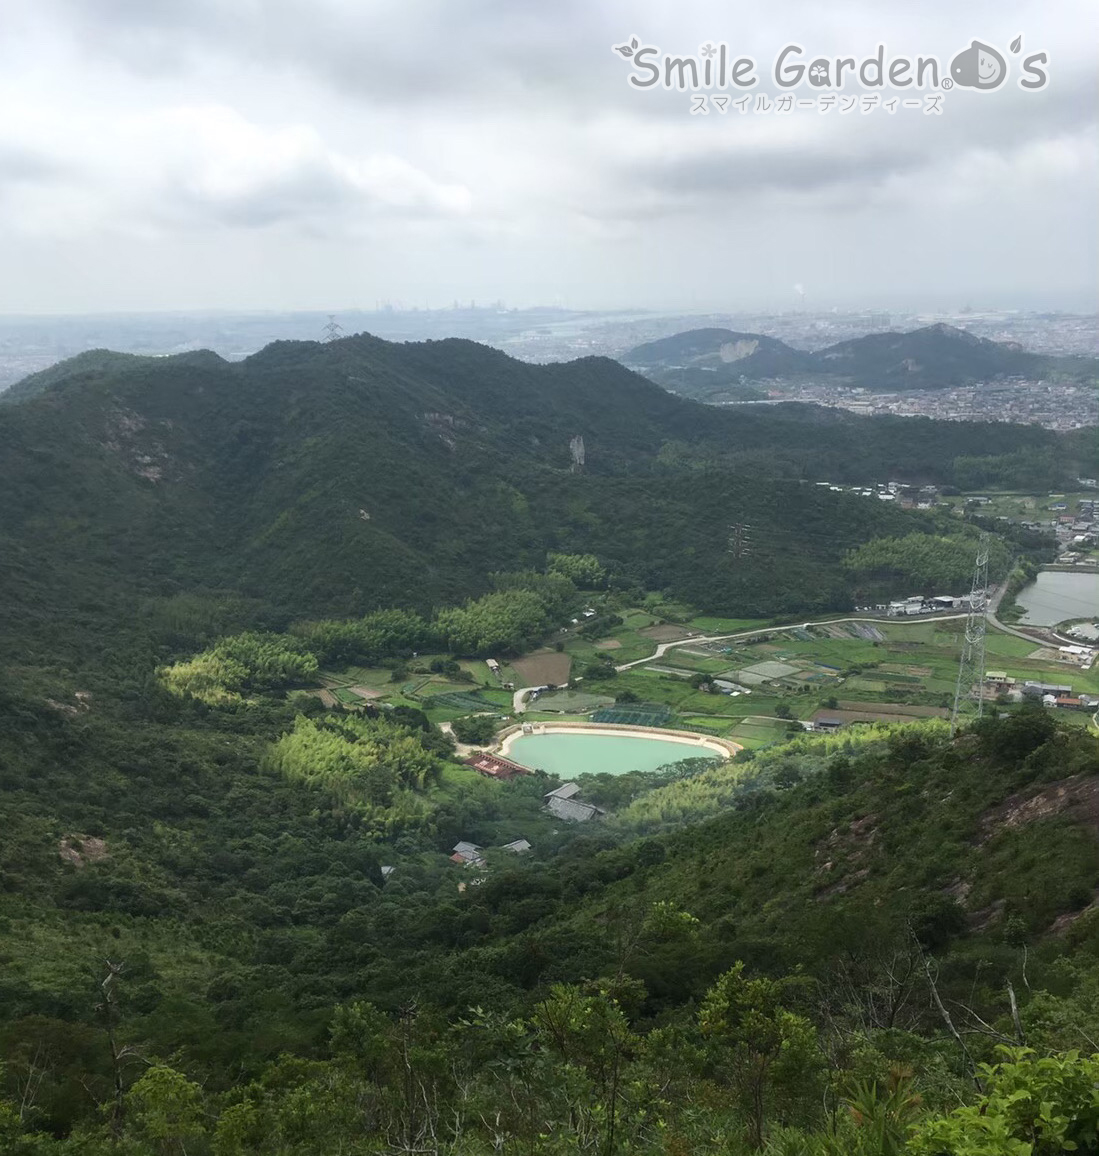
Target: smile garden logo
point(715, 76)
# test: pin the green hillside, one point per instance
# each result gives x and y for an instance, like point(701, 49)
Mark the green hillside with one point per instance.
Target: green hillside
point(93, 365)
point(240, 599)
point(340, 478)
point(269, 974)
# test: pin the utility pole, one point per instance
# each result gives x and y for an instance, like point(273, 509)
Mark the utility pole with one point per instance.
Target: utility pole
point(971, 666)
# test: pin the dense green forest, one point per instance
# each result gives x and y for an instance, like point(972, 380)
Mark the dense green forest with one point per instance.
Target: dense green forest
point(747, 954)
point(332, 480)
point(927, 561)
point(228, 920)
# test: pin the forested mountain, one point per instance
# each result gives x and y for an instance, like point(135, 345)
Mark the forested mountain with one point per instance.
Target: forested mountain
point(90, 365)
point(934, 357)
point(937, 356)
point(723, 351)
point(339, 478)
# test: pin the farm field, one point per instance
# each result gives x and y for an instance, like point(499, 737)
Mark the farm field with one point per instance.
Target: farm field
point(543, 668)
point(1020, 507)
point(637, 637)
point(900, 668)
point(854, 671)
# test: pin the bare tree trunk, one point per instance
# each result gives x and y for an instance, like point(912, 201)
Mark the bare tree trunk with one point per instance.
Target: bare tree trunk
point(949, 1022)
point(30, 1086)
point(1020, 1036)
point(110, 1012)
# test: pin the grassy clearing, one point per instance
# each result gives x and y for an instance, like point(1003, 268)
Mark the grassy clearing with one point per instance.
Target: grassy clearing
point(754, 733)
point(708, 624)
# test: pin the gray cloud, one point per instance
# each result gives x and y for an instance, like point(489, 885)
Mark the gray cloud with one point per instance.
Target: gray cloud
point(29, 166)
point(425, 149)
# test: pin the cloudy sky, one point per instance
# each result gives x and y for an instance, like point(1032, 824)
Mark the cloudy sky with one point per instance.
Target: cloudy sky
point(315, 154)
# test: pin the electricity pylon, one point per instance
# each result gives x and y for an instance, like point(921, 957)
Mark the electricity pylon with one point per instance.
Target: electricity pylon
point(971, 667)
point(740, 540)
point(576, 449)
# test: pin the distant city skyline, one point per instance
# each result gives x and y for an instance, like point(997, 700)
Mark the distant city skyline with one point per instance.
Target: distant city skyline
point(327, 154)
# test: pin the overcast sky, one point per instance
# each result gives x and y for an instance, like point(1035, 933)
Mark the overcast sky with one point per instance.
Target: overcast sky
point(327, 154)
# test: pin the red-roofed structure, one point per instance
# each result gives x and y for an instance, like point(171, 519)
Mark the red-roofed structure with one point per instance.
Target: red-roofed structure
point(495, 766)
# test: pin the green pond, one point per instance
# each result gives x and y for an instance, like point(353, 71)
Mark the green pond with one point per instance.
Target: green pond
point(566, 755)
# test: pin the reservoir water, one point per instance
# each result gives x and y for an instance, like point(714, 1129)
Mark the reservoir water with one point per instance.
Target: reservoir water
point(1057, 595)
point(564, 754)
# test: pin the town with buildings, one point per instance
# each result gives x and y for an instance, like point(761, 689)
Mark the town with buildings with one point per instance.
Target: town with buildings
point(1053, 405)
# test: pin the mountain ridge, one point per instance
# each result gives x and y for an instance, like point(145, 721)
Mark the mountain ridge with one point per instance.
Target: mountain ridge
point(934, 357)
point(340, 477)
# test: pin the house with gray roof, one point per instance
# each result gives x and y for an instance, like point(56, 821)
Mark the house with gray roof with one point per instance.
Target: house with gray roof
point(573, 810)
point(468, 854)
point(565, 791)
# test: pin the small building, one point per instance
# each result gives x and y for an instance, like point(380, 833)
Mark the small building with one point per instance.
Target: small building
point(387, 870)
point(564, 804)
point(518, 847)
point(574, 811)
point(495, 766)
point(1044, 689)
point(726, 687)
point(565, 791)
point(828, 724)
point(468, 855)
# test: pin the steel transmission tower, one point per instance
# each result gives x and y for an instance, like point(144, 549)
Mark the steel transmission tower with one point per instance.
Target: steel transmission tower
point(576, 449)
point(740, 542)
point(971, 667)
point(333, 331)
